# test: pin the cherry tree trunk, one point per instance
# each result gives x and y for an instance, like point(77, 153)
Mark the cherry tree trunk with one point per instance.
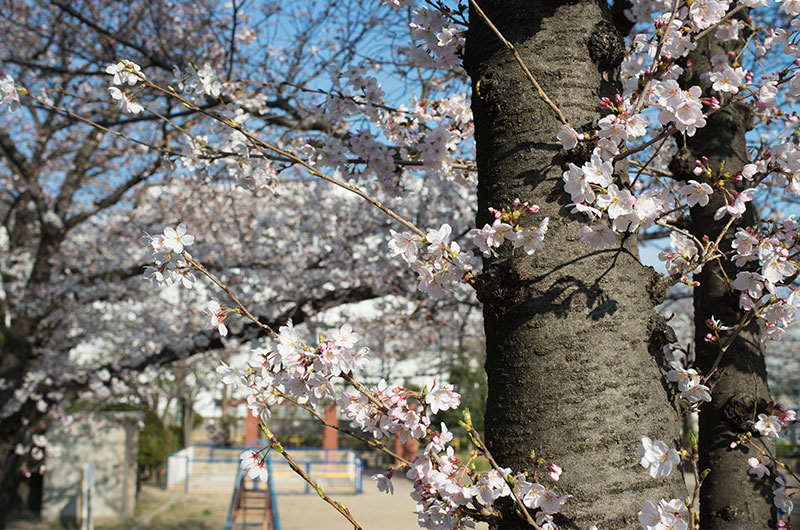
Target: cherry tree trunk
point(573, 344)
point(15, 351)
point(730, 497)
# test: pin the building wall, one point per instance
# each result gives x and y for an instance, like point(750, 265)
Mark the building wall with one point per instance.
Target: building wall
point(111, 440)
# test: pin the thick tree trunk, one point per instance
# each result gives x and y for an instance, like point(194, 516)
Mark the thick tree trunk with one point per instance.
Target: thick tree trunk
point(15, 354)
point(187, 419)
point(573, 343)
point(9, 478)
point(730, 497)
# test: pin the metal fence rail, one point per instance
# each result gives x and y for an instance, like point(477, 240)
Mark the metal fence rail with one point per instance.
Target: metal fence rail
point(207, 468)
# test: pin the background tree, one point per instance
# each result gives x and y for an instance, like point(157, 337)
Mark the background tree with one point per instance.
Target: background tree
point(75, 201)
point(728, 499)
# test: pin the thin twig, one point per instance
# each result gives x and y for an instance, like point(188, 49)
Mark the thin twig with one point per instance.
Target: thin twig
point(742, 323)
point(696, 493)
point(656, 57)
point(261, 144)
point(482, 447)
point(365, 392)
point(372, 443)
point(518, 58)
point(199, 266)
point(341, 508)
point(649, 161)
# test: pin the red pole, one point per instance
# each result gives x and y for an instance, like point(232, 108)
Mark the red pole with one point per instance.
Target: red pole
point(330, 436)
point(251, 430)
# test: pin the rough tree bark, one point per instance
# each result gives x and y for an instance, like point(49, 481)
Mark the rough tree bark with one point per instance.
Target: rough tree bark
point(15, 352)
point(573, 343)
point(730, 497)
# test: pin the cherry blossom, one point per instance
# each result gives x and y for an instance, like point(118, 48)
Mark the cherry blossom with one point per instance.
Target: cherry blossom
point(696, 193)
point(215, 317)
point(568, 137)
point(664, 515)
point(8, 93)
point(598, 235)
point(124, 102)
point(657, 457)
point(756, 467)
point(177, 238)
point(782, 499)
point(492, 236)
point(442, 398)
point(384, 481)
point(768, 426)
point(125, 72)
point(253, 465)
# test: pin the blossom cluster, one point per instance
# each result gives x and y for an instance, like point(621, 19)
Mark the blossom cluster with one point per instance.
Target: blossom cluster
point(444, 40)
point(439, 262)
point(443, 486)
point(506, 227)
point(196, 83)
point(650, 77)
point(254, 465)
point(770, 249)
point(686, 377)
point(592, 187)
point(683, 257)
point(124, 72)
point(664, 515)
point(771, 422)
point(166, 252)
point(8, 93)
point(659, 459)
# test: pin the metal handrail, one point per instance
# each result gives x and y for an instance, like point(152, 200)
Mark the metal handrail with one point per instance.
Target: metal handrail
point(273, 498)
point(235, 499)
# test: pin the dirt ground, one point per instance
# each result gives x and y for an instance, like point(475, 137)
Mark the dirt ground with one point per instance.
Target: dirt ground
point(157, 509)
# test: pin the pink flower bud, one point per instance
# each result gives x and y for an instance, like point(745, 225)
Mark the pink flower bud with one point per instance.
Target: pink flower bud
point(698, 171)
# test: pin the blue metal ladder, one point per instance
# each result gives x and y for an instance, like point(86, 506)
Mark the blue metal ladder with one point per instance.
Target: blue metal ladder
point(253, 500)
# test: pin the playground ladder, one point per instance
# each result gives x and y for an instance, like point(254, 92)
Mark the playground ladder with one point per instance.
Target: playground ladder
point(253, 504)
